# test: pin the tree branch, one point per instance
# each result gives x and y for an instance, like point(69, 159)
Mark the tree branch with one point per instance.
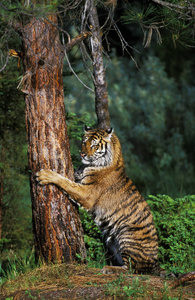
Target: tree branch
point(191, 6)
point(101, 94)
point(79, 38)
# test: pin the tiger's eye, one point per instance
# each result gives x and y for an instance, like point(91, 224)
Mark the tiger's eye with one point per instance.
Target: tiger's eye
point(93, 146)
point(84, 141)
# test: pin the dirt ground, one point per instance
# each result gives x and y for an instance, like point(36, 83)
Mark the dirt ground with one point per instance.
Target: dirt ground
point(81, 282)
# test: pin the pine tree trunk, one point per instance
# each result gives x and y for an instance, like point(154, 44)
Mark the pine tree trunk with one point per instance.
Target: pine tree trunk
point(57, 229)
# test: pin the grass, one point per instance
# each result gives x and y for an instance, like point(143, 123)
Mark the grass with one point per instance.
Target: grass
point(44, 275)
point(16, 264)
point(65, 280)
point(121, 288)
point(140, 287)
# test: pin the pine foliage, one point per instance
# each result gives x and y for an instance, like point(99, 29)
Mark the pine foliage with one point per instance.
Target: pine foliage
point(167, 20)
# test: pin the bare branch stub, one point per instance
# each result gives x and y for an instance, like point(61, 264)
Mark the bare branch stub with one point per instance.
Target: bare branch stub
point(79, 38)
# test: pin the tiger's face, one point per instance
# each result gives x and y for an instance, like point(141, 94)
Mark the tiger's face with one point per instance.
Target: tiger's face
point(96, 147)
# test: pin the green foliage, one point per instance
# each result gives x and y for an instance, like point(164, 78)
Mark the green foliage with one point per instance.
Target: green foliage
point(16, 263)
point(171, 23)
point(140, 14)
point(16, 208)
point(10, 10)
point(174, 220)
point(151, 128)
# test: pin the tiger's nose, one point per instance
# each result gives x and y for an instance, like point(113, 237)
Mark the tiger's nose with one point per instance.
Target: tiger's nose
point(82, 154)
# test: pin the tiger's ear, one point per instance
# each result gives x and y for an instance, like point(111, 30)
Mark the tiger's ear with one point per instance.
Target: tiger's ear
point(87, 128)
point(109, 131)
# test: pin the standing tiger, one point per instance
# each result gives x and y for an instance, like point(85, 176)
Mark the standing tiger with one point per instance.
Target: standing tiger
point(102, 188)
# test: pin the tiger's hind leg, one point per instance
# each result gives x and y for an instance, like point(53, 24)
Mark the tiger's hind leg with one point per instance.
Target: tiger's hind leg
point(115, 258)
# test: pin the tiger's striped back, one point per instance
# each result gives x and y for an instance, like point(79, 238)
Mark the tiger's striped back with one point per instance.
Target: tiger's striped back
point(121, 213)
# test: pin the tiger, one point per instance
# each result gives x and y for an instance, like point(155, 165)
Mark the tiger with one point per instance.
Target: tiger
point(102, 188)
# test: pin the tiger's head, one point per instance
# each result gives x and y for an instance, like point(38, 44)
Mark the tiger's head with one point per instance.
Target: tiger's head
point(97, 147)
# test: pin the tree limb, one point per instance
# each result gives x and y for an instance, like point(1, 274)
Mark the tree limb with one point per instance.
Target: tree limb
point(191, 6)
point(79, 38)
point(101, 94)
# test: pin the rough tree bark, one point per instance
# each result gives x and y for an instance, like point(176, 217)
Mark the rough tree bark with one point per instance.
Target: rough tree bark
point(101, 94)
point(57, 228)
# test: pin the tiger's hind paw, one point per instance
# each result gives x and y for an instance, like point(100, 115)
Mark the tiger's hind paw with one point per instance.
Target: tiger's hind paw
point(113, 270)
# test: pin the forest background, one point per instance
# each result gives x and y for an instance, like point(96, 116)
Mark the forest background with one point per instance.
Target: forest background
point(152, 109)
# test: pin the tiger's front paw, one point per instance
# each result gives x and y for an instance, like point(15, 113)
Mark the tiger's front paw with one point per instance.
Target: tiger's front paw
point(45, 177)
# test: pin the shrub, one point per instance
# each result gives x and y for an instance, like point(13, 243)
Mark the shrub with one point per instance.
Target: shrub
point(174, 220)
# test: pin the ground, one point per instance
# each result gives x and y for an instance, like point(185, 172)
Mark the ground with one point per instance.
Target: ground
point(81, 282)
